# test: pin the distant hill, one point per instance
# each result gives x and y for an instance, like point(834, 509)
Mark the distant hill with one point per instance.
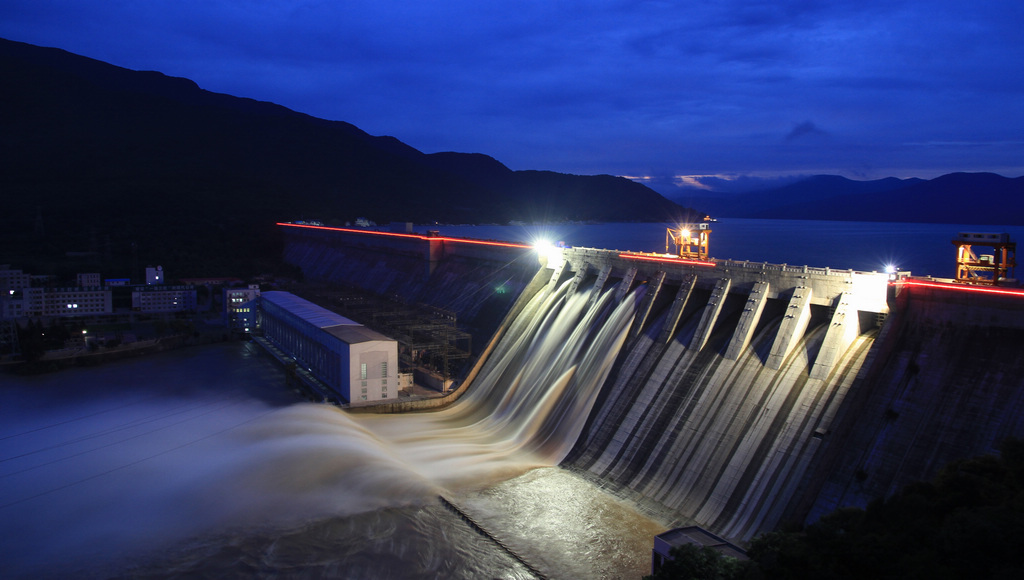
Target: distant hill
point(118, 163)
point(956, 198)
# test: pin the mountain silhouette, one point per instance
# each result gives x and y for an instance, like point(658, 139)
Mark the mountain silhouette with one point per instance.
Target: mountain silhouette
point(955, 198)
point(105, 158)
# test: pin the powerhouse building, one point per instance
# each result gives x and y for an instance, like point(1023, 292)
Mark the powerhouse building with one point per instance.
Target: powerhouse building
point(359, 364)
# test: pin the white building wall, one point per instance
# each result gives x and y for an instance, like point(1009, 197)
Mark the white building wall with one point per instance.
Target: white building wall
point(373, 371)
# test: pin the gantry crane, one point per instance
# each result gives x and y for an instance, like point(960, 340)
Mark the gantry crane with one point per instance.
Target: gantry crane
point(690, 241)
point(987, 269)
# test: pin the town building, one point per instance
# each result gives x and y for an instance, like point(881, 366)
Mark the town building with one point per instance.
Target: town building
point(163, 299)
point(63, 302)
point(13, 279)
point(12, 304)
point(89, 280)
point(359, 364)
point(240, 306)
point(155, 275)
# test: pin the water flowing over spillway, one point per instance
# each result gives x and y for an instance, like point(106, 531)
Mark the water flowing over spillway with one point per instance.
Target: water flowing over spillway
point(722, 443)
point(531, 399)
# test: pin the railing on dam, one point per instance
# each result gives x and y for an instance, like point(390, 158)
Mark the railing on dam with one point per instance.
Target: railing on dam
point(767, 266)
point(596, 255)
point(826, 284)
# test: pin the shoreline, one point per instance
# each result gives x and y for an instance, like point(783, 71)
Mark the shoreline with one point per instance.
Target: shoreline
point(54, 361)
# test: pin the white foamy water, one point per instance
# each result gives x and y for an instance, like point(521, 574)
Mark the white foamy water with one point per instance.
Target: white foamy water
point(198, 462)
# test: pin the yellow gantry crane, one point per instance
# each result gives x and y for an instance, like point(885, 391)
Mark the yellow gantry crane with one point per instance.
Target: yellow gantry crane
point(987, 269)
point(689, 241)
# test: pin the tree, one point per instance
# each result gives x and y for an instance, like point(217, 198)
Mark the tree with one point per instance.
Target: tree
point(31, 340)
point(692, 562)
point(967, 523)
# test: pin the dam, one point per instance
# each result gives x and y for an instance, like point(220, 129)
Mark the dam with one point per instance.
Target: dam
point(739, 396)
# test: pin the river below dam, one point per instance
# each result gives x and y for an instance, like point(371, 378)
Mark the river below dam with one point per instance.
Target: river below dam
point(200, 462)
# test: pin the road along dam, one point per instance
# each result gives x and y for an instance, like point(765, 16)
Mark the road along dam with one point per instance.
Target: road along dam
point(738, 396)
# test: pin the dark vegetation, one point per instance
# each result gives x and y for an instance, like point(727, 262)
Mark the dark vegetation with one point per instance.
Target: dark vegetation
point(966, 523)
point(956, 198)
point(125, 168)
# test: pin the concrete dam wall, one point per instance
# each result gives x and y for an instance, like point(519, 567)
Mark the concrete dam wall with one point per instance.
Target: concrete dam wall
point(716, 409)
point(946, 382)
point(754, 395)
point(747, 395)
point(479, 282)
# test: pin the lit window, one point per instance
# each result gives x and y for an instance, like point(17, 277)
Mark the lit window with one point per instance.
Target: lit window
point(384, 369)
point(362, 371)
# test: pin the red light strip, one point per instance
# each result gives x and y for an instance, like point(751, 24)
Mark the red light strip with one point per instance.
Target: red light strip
point(667, 259)
point(412, 236)
point(960, 287)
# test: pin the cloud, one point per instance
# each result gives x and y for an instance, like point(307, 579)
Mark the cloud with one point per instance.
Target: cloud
point(596, 87)
point(803, 130)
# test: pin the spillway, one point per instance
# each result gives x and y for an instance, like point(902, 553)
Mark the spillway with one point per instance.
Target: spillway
point(741, 396)
point(530, 400)
point(718, 405)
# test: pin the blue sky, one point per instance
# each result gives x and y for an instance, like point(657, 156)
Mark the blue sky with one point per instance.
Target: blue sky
point(669, 90)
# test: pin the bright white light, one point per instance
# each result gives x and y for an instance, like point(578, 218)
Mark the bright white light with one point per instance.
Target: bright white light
point(890, 269)
point(548, 253)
